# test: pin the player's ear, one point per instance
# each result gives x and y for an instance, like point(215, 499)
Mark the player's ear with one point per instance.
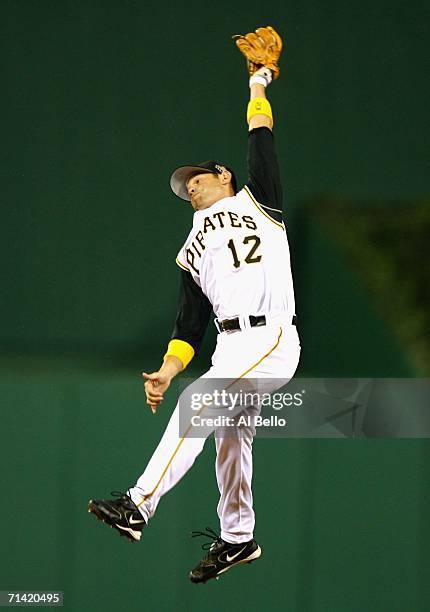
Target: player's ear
point(225, 177)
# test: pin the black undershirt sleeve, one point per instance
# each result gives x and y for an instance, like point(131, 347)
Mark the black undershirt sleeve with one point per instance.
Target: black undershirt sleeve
point(194, 311)
point(263, 170)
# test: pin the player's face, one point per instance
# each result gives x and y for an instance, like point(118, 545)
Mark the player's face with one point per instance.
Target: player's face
point(204, 190)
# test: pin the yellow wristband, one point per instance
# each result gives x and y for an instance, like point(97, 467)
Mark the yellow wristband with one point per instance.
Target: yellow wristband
point(182, 350)
point(259, 106)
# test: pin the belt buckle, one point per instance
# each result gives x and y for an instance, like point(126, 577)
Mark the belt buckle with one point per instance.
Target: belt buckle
point(244, 322)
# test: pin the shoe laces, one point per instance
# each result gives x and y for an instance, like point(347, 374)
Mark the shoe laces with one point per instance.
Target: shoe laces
point(209, 533)
point(120, 494)
point(126, 497)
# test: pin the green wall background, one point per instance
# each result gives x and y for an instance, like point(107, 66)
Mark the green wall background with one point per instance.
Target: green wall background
point(96, 116)
point(100, 100)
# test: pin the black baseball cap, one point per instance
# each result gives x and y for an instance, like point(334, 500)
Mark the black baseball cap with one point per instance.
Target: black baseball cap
point(180, 177)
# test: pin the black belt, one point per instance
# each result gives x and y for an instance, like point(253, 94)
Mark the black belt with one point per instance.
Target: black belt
point(234, 324)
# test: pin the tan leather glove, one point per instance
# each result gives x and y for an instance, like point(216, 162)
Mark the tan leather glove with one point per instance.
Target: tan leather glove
point(261, 48)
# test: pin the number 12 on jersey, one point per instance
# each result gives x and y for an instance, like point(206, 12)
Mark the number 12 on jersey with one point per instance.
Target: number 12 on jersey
point(250, 257)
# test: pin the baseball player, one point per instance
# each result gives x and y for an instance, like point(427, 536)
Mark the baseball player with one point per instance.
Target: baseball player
point(236, 263)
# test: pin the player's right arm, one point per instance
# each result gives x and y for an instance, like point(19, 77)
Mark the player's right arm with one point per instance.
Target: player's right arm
point(194, 310)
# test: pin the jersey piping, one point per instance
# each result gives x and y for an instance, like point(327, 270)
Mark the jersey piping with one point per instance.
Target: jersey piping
point(181, 265)
point(254, 201)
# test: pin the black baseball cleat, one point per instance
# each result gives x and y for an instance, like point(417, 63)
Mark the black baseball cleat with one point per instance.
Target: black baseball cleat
point(122, 514)
point(222, 556)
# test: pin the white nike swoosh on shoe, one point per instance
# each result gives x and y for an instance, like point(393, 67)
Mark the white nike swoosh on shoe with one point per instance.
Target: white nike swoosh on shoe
point(230, 559)
point(255, 555)
point(136, 534)
point(135, 522)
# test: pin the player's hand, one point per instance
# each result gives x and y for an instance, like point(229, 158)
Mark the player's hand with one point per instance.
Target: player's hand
point(156, 384)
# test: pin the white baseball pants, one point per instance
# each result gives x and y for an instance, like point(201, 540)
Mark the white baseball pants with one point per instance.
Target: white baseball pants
point(271, 351)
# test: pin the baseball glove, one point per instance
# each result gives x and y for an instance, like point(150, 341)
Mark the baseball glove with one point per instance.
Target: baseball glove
point(261, 48)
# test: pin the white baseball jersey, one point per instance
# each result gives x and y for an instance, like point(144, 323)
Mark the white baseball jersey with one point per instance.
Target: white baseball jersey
point(239, 256)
